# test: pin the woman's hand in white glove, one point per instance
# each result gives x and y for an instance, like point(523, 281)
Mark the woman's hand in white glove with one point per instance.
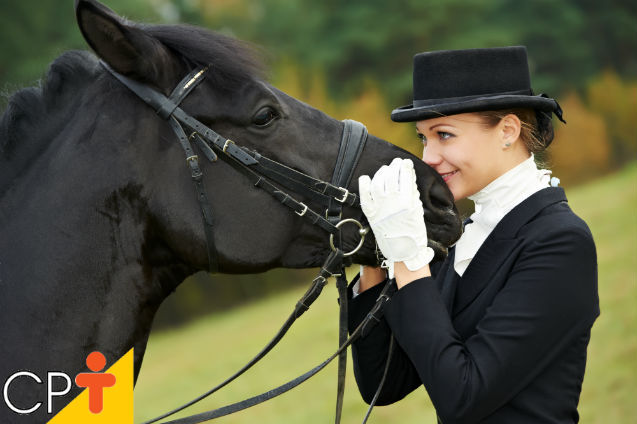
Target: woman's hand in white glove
point(391, 203)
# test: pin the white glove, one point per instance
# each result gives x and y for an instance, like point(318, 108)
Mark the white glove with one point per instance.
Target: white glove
point(391, 203)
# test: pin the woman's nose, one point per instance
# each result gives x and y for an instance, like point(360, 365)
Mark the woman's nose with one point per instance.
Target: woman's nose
point(431, 156)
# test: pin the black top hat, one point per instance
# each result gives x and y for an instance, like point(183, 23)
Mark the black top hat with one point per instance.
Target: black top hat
point(448, 82)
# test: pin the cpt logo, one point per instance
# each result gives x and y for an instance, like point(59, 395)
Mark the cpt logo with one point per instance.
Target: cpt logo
point(95, 381)
point(108, 396)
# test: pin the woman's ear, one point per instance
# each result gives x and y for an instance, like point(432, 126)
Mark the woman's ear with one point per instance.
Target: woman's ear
point(510, 128)
point(126, 48)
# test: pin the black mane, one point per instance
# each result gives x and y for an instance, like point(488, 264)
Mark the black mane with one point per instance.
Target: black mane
point(28, 109)
point(232, 61)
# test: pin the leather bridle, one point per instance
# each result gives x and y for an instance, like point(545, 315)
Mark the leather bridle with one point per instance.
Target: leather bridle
point(260, 169)
point(263, 172)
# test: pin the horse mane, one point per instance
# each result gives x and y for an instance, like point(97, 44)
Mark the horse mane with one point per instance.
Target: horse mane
point(232, 60)
point(29, 107)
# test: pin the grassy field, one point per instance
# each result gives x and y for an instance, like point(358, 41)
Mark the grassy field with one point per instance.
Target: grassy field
point(180, 364)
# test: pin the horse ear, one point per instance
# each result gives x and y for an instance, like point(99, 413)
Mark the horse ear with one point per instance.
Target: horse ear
point(127, 49)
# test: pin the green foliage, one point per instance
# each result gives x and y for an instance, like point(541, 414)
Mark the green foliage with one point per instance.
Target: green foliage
point(181, 364)
point(34, 32)
point(569, 41)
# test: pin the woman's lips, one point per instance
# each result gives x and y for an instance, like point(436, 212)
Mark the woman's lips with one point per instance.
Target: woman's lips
point(445, 176)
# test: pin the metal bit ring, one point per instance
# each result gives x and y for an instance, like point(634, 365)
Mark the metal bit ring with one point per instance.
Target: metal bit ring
point(361, 230)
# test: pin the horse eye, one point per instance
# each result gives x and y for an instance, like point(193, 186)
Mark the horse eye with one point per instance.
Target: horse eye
point(265, 117)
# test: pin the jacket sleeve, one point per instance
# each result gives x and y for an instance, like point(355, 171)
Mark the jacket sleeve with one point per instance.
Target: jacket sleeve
point(369, 354)
point(549, 299)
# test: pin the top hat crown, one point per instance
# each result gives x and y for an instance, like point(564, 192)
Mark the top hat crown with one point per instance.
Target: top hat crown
point(449, 82)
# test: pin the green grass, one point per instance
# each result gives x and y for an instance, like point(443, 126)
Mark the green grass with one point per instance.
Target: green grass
point(610, 385)
point(181, 364)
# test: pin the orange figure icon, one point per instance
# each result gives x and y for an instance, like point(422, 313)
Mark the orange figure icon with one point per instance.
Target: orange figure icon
point(95, 381)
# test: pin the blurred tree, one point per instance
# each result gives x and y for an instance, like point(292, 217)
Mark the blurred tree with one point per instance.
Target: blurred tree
point(352, 41)
point(371, 108)
point(616, 101)
point(569, 41)
point(610, 30)
point(34, 32)
point(581, 150)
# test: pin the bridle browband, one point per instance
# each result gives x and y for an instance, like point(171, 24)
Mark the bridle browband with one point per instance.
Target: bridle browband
point(263, 171)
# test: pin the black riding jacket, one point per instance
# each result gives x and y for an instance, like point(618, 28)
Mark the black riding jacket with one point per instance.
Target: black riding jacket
point(504, 343)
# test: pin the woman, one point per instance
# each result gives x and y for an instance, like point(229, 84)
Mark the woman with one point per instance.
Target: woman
point(497, 333)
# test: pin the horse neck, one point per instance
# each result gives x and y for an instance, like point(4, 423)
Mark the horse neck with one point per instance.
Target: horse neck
point(79, 268)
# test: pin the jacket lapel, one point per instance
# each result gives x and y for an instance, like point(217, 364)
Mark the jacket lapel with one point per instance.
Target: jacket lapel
point(499, 244)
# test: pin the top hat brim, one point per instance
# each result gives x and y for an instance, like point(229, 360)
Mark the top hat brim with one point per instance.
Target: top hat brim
point(411, 112)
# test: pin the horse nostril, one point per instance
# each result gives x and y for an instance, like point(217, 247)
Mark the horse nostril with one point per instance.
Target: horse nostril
point(440, 197)
point(435, 196)
point(443, 222)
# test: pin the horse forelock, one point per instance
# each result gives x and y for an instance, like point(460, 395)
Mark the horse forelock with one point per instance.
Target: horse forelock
point(233, 62)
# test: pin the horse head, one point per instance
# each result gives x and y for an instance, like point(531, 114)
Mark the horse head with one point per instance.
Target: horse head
point(98, 215)
point(252, 231)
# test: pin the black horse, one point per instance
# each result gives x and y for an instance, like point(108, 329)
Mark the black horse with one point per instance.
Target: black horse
point(98, 219)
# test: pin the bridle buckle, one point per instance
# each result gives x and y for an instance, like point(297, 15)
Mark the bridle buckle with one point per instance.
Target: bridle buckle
point(345, 194)
point(303, 211)
point(226, 144)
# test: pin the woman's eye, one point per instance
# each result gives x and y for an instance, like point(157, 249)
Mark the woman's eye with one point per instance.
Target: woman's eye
point(444, 135)
point(265, 117)
point(422, 138)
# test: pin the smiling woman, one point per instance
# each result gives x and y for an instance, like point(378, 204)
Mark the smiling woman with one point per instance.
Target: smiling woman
point(498, 331)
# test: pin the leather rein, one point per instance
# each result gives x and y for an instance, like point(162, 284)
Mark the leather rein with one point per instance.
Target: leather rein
point(262, 171)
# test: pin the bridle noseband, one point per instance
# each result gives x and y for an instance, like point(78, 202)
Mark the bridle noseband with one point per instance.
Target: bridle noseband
point(263, 172)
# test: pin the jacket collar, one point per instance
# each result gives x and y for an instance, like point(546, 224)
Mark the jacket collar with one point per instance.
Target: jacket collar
point(511, 223)
point(499, 245)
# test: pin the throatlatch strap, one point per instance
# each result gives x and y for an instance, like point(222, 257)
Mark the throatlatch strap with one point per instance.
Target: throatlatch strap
point(200, 191)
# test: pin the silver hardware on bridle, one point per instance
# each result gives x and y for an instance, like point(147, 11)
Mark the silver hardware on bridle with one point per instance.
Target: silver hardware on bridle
point(362, 231)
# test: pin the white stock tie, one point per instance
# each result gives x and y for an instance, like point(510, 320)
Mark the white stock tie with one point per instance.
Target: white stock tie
point(493, 202)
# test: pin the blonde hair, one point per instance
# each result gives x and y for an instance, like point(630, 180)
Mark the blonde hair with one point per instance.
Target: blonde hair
point(529, 132)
